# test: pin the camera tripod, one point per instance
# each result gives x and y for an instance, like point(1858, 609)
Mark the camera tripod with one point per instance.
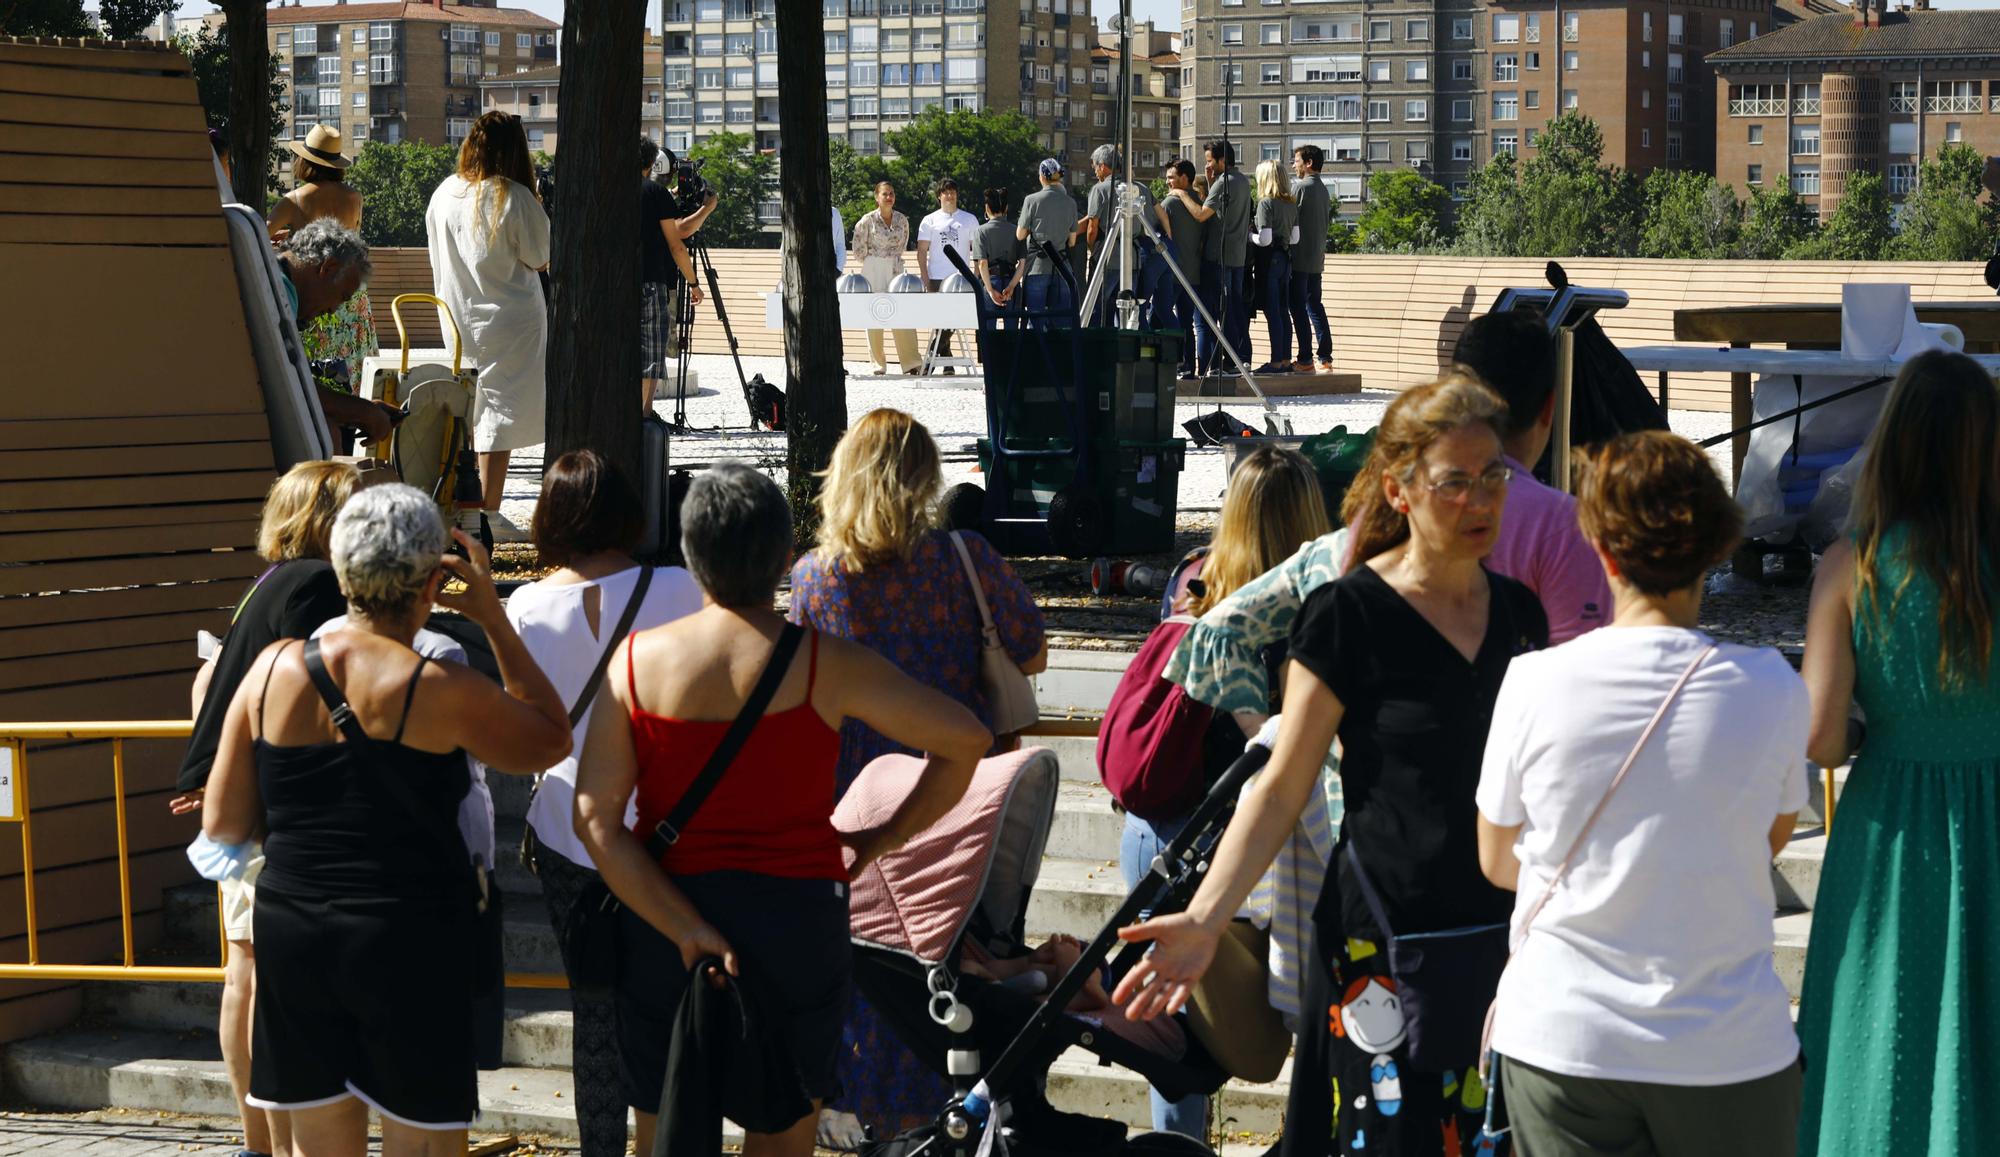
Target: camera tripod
point(684, 315)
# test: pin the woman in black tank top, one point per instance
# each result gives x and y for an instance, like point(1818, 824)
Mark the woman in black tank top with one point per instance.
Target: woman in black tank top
point(347, 754)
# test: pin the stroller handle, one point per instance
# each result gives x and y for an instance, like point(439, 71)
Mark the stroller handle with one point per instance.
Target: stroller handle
point(444, 311)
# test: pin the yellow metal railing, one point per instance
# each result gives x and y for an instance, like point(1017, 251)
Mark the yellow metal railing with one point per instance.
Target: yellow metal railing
point(14, 738)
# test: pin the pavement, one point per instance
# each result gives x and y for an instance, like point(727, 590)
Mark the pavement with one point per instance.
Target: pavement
point(126, 1133)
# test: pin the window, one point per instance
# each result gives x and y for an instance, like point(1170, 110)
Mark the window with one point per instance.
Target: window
point(1756, 135)
point(867, 108)
point(524, 42)
point(1506, 29)
point(1902, 180)
point(1507, 142)
point(1461, 70)
point(683, 110)
point(305, 40)
point(866, 141)
point(1416, 111)
point(739, 114)
point(1571, 61)
point(1533, 61)
point(492, 39)
point(360, 36)
point(963, 35)
point(1569, 99)
point(283, 39)
point(1571, 27)
point(1506, 106)
point(1267, 151)
point(1676, 27)
point(712, 77)
point(1460, 190)
point(360, 66)
point(1379, 31)
point(1675, 67)
point(1674, 147)
point(1753, 30)
point(1805, 140)
point(1232, 114)
point(741, 77)
point(1753, 175)
point(1345, 149)
point(1418, 69)
point(1269, 112)
point(1749, 100)
point(1416, 30)
point(1378, 72)
point(1952, 132)
point(1461, 28)
point(1461, 149)
point(358, 100)
point(1272, 73)
point(1646, 27)
point(1346, 189)
point(1805, 100)
point(1339, 109)
point(1530, 137)
point(1646, 59)
point(1270, 34)
point(1805, 182)
point(709, 114)
point(1903, 138)
point(1235, 74)
point(329, 69)
point(1378, 151)
point(1725, 32)
point(864, 37)
point(1232, 34)
point(1645, 138)
point(710, 44)
point(1950, 96)
point(1506, 67)
point(1416, 151)
point(836, 77)
point(836, 41)
point(1645, 98)
point(1461, 110)
point(1903, 96)
point(1531, 98)
point(1673, 108)
point(966, 69)
point(1344, 29)
point(1378, 110)
point(1532, 30)
point(864, 75)
point(458, 128)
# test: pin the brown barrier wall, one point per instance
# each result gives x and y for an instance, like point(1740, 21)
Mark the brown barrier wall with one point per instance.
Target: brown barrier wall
point(1393, 317)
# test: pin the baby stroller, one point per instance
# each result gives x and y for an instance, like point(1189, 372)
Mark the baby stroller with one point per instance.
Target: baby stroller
point(960, 891)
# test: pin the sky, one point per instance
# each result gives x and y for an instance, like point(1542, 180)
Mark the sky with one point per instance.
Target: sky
point(1163, 13)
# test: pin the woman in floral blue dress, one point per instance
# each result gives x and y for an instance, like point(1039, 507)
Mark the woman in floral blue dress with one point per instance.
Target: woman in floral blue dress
point(885, 575)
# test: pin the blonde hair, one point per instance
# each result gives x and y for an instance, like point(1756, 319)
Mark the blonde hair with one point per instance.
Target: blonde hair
point(1274, 505)
point(1272, 183)
point(879, 494)
point(300, 508)
point(1412, 423)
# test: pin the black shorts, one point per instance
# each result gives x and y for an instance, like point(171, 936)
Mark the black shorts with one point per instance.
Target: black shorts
point(790, 935)
point(365, 997)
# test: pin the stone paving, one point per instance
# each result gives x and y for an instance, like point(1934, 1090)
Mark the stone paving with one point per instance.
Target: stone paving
point(125, 1133)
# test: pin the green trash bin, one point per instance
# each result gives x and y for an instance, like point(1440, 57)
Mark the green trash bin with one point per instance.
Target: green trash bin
point(1128, 505)
point(1337, 457)
point(1126, 391)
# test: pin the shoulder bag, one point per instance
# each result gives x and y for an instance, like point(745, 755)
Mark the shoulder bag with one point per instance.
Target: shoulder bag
point(589, 693)
point(588, 932)
point(1488, 1134)
point(1010, 697)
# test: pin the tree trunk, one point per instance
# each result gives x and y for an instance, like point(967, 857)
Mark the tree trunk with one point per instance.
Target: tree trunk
point(815, 379)
point(593, 361)
point(250, 125)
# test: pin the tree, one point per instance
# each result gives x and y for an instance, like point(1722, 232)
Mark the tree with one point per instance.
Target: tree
point(1493, 222)
point(251, 116)
point(1942, 220)
point(980, 150)
point(128, 19)
point(744, 178)
point(1775, 221)
point(44, 18)
point(853, 178)
point(1689, 214)
point(1859, 229)
point(1574, 205)
point(208, 52)
point(396, 182)
point(816, 379)
point(1341, 236)
point(593, 352)
point(1405, 213)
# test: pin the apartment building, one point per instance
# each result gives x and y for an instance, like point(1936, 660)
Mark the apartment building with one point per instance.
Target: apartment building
point(1442, 86)
point(531, 95)
point(1156, 97)
point(399, 71)
point(1867, 91)
point(885, 62)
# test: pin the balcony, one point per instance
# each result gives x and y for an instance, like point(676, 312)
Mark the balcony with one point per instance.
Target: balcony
point(1909, 104)
point(1808, 106)
point(1569, 35)
point(1951, 104)
point(1759, 108)
point(1532, 34)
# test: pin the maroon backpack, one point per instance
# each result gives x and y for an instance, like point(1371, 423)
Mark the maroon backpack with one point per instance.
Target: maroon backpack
point(1150, 746)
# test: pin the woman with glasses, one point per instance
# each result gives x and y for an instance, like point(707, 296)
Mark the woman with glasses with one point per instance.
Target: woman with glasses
point(1402, 658)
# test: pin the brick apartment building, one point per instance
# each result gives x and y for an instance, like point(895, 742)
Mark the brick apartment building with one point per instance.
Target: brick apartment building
point(532, 96)
point(399, 71)
point(1156, 101)
point(1443, 85)
point(1868, 91)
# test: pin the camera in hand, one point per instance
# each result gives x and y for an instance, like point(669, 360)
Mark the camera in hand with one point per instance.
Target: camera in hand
point(690, 189)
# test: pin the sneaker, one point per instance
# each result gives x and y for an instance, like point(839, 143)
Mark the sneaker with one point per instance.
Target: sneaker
point(503, 528)
point(949, 371)
point(1274, 368)
point(1326, 366)
point(1303, 365)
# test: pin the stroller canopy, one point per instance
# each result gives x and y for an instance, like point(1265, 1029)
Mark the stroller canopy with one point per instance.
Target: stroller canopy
point(982, 858)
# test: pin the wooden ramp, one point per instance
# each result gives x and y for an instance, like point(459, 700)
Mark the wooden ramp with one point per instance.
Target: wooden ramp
point(134, 456)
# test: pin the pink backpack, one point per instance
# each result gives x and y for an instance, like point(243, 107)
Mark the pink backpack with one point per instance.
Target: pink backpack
point(1149, 748)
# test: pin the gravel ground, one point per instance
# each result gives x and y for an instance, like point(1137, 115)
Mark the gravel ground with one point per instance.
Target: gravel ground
point(954, 410)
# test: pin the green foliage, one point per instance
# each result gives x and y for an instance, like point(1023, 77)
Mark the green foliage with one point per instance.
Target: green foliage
point(1493, 220)
point(396, 182)
point(980, 150)
point(1405, 213)
point(744, 178)
point(208, 51)
point(1943, 219)
point(1775, 221)
point(1859, 229)
point(44, 18)
point(127, 19)
point(1341, 235)
point(1561, 202)
point(1689, 214)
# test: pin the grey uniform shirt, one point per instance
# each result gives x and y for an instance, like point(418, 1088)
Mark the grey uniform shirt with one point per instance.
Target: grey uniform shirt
point(996, 244)
point(1049, 215)
point(1279, 217)
point(1233, 200)
point(1187, 238)
point(1103, 205)
point(1315, 210)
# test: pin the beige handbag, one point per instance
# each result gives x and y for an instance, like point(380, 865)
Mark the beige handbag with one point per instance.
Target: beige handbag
point(1010, 697)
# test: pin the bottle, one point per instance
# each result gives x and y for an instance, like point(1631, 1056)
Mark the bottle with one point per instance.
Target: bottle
point(1123, 577)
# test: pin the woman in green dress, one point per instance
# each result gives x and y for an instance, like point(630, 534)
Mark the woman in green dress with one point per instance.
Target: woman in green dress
point(1900, 1019)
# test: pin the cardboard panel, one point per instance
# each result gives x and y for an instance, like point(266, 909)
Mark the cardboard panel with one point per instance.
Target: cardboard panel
point(118, 172)
point(80, 112)
point(166, 430)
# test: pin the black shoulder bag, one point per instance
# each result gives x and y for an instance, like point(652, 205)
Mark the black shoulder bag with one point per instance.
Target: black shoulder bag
point(589, 693)
point(589, 930)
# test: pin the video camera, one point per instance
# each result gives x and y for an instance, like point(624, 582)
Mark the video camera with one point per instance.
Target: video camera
point(690, 188)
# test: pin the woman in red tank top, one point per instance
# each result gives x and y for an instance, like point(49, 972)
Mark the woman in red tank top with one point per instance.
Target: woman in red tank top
point(758, 875)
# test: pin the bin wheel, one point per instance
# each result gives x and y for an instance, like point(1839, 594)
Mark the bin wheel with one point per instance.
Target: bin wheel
point(965, 507)
point(1076, 523)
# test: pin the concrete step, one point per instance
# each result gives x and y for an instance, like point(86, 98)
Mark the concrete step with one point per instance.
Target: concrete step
point(1080, 681)
point(1795, 874)
point(1075, 897)
point(1788, 954)
point(1088, 825)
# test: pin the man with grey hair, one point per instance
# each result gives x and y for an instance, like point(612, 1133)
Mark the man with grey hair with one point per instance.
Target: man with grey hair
point(1100, 213)
point(324, 264)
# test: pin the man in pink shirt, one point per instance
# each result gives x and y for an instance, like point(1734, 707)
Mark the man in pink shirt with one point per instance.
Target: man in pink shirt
point(1540, 543)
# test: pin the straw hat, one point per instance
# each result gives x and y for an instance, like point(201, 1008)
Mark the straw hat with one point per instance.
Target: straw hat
point(321, 147)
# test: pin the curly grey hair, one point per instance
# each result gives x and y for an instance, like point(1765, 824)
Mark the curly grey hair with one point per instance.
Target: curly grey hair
point(736, 531)
point(325, 240)
point(1107, 155)
point(386, 544)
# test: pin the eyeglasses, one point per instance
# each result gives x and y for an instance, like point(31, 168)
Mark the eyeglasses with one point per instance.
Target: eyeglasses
point(1459, 487)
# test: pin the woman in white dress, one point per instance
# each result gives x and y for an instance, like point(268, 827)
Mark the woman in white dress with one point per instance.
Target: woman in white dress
point(488, 237)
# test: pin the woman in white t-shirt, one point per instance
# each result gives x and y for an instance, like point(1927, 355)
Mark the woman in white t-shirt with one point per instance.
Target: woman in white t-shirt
point(586, 525)
point(1641, 1013)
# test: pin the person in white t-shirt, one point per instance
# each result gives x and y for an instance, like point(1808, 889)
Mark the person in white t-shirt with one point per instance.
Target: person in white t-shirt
point(1641, 1012)
point(586, 525)
point(949, 228)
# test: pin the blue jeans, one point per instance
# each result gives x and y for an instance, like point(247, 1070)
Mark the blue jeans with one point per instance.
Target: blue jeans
point(1307, 308)
point(1136, 848)
point(1210, 289)
point(1236, 307)
point(1000, 316)
point(1047, 292)
point(1277, 306)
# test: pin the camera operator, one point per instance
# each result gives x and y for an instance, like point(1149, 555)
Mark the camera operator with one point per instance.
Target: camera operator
point(664, 266)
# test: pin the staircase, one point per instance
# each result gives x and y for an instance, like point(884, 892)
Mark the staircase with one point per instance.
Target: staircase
point(152, 1045)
